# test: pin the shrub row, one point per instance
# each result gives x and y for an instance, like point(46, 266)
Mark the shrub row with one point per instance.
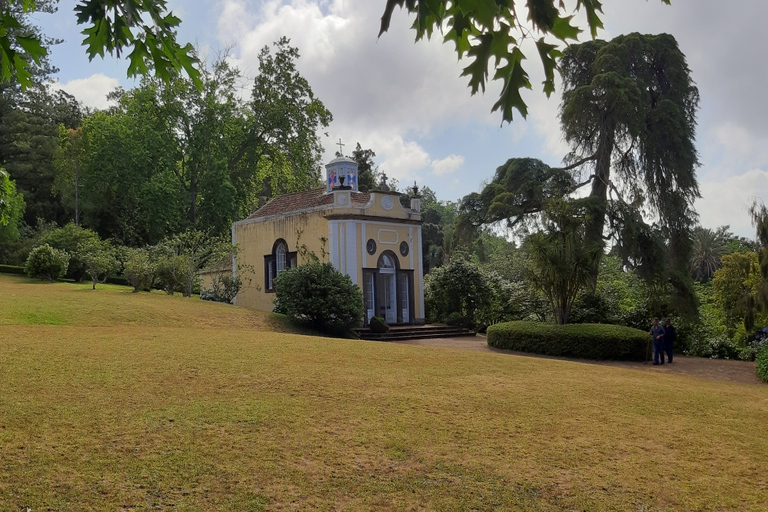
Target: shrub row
point(762, 363)
point(11, 269)
point(588, 341)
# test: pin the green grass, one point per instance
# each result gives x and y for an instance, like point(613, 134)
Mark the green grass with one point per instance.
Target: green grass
point(150, 402)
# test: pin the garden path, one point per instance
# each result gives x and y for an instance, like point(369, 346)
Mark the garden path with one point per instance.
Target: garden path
point(712, 369)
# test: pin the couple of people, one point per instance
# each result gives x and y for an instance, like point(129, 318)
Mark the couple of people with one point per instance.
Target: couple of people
point(663, 340)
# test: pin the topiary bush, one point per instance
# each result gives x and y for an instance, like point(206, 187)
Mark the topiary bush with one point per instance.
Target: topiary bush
point(762, 363)
point(46, 262)
point(456, 319)
point(11, 269)
point(588, 341)
point(378, 325)
point(320, 296)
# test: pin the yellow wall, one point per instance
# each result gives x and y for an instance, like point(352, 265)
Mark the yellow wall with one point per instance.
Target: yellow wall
point(303, 233)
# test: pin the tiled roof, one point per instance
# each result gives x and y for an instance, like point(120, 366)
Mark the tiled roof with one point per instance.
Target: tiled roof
point(289, 203)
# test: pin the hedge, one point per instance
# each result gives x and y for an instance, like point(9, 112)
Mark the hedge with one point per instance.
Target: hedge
point(587, 341)
point(762, 363)
point(11, 269)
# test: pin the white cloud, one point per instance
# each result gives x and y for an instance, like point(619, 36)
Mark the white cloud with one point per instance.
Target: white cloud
point(725, 201)
point(91, 91)
point(447, 165)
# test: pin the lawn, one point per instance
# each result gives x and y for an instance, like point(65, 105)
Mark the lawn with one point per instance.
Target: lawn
point(117, 401)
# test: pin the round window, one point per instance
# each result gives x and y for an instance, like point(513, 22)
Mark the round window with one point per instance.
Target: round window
point(371, 246)
point(404, 248)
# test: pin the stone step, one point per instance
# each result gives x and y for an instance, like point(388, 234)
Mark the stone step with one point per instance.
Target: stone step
point(403, 333)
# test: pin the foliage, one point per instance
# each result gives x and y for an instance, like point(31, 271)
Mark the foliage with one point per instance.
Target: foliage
point(367, 172)
point(148, 29)
point(225, 284)
point(629, 114)
point(562, 256)
point(762, 363)
point(139, 268)
point(11, 269)
point(100, 260)
point(46, 262)
point(378, 324)
point(69, 162)
point(457, 287)
point(588, 341)
point(734, 283)
point(757, 300)
point(319, 295)
point(71, 238)
point(709, 247)
point(181, 257)
point(489, 30)
point(12, 208)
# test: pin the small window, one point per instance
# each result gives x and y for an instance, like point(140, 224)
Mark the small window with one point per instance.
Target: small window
point(279, 260)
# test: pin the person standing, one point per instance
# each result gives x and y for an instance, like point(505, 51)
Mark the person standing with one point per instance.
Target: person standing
point(657, 333)
point(669, 340)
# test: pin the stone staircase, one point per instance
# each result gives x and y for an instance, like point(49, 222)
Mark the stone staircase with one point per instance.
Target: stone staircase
point(414, 332)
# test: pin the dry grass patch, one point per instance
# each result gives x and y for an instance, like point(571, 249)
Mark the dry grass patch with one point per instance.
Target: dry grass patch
point(134, 417)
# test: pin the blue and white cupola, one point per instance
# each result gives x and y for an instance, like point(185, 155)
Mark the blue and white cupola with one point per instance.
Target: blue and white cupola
point(341, 172)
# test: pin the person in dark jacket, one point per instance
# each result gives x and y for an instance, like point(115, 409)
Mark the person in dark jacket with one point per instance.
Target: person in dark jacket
point(657, 332)
point(669, 340)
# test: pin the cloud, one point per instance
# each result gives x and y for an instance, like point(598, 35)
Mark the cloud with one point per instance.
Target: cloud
point(91, 91)
point(387, 90)
point(725, 201)
point(447, 165)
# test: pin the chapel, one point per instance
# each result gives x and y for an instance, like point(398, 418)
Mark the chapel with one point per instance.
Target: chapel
point(370, 237)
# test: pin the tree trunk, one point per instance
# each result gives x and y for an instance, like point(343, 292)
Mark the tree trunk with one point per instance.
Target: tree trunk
point(192, 216)
point(595, 222)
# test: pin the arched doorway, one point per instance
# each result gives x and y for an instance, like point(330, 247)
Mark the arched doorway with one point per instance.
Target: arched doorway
point(388, 290)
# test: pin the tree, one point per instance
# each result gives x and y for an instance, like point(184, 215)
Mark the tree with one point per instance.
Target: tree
point(757, 301)
point(562, 257)
point(735, 284)
point(367, 171)
point(11, 210)
point(629, 114)
point(490, 30)
point(709, 246)
point(458, 287)
point(99, 259)
point(69, 161)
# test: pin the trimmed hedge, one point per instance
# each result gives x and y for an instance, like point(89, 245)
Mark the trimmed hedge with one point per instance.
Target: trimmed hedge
point(587, 341)
point(11, 269)
point(762, 363)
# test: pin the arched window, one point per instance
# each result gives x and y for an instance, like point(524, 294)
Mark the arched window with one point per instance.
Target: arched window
point(280, 259)
point(388, 261)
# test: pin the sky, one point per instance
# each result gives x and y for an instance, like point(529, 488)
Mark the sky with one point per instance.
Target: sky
point(408, 102)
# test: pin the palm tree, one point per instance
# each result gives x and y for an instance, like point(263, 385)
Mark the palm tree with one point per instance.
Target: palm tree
point(709, 246)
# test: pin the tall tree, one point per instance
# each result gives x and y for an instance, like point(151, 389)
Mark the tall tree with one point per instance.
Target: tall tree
point(629, 114)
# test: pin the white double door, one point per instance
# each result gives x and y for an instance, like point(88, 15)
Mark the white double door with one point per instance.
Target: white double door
point(389, 285)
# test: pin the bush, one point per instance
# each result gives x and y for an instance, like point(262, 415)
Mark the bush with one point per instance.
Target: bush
point(588, 341)
point(762, 363)
point(11, 269)
point(46, 262)
point(456, 320)
point(71, 238)
point(458, 286)
point(320, 296)
point(139, 269)
point(378, 325)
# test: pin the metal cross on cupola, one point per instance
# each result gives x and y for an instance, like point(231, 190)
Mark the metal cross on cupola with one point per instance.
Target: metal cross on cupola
point(341, 147)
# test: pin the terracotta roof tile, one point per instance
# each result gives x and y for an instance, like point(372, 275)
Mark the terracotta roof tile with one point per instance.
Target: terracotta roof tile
point(289, 203)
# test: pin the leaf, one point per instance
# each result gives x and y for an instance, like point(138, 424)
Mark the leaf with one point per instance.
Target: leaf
point(548, 53)
point(32, 46)
point(563, 30)
point(592, 7)
point(515, 78)
point(478, 69)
